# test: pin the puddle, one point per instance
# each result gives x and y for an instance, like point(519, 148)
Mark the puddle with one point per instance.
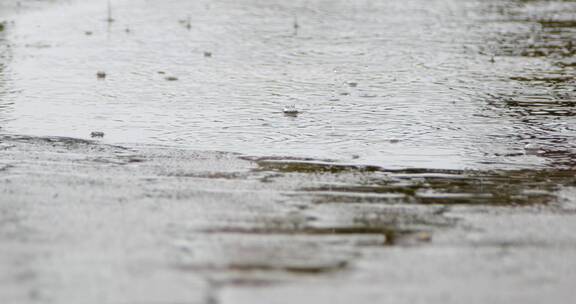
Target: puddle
point(488, 78)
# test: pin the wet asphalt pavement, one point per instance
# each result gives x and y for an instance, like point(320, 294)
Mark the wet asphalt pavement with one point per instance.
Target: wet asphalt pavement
point(84, 222)
point(151, 214)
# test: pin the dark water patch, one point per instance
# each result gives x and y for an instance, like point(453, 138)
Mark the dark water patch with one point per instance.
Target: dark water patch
point(300, 267)
point(66, 143)
point(504, 188)
point(360, 189)
point(392, 226)
point(132, 159)
point(253, 254)
point(53, 140)
point(428, 186)
point(392, 234)
point(558, 24)
point(210, 175)
point(115, 160)
point(312, 167)
point(545, 79)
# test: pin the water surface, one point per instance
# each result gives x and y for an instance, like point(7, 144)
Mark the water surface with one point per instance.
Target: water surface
point(454, 84)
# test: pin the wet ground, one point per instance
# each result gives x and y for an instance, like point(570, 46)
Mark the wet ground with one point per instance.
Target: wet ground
point(431, 161)
point(92, 223)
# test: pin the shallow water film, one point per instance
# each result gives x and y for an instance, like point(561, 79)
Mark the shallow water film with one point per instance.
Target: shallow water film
point(307, 151)
point(436, 84)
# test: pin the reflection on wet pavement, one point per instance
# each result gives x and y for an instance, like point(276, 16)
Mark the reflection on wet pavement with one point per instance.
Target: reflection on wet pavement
point(429, 186)
point(327, 207)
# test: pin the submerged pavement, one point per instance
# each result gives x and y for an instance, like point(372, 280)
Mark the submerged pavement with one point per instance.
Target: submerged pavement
point(83, 222)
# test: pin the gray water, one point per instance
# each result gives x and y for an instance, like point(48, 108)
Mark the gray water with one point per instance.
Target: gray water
point(412, 83)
